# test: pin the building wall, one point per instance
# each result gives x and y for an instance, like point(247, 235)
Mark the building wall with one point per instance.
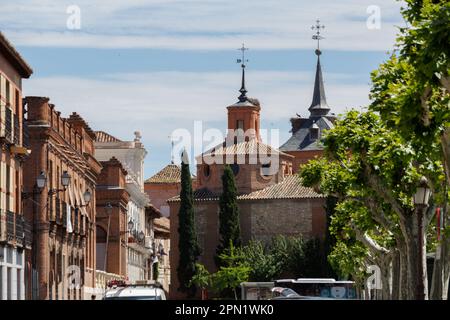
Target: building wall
point(302, 157)
point(260, 220)
point(159, 193)
point(12, 244)
point(131, 155)
point(58, 249)
point(248, 179)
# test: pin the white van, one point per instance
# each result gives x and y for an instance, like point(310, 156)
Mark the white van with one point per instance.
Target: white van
point(135, 292)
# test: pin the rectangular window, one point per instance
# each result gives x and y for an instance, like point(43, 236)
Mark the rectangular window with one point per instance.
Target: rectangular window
point(8, 188)
point(17, 101)
point(240, 124)
point(19, 286)
point(8, 91)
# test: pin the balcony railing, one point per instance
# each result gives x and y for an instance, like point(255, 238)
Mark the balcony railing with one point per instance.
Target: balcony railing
point(20, 232)
point(8, 125)
point(10, 235)
point(102, 279)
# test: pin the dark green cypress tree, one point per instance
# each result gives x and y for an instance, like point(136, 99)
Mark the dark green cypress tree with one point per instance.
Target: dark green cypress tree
point(229, 221)
point(188, 247)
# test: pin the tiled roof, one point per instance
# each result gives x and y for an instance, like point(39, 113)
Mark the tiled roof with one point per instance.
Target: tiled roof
point(203, 194)
point(290, 188)
point(242, 148)
point(12, 55)
point(162, 225)
point(301, 139)
point(169, 174)
point(101, 136)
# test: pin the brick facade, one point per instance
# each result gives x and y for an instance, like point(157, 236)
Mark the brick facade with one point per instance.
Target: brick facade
point(57, 145)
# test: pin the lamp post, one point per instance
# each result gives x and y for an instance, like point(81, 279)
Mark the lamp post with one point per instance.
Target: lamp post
point(421, 198)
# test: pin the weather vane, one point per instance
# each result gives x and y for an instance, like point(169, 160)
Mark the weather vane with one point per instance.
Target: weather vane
point(318, 27)
point(243, 60)
point(243, 90)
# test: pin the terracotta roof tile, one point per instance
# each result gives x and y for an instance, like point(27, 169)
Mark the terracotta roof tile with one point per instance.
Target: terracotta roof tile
point(242, 148)
point(169, 174)
point(203, 194)
point(101, 136)
point(290, 188)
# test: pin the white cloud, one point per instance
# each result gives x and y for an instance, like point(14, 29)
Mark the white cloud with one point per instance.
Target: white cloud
point(200, 24)
point(157, 103)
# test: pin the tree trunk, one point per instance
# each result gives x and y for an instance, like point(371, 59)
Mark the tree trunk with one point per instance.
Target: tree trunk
point(439, 285)
point(396, 275)
point(416, 256)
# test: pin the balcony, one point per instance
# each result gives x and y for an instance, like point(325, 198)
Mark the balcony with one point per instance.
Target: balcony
point(10, 234)
point(17, 229)
point(8, 125)
point(102, 279)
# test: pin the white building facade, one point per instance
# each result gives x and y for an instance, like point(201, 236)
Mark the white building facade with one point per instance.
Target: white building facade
point(131, 154)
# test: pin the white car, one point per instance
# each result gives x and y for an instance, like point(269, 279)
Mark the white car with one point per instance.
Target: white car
point(135, 292)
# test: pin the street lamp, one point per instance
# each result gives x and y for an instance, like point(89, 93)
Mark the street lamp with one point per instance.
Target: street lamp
point(87, 196)
point(65, 179)
point(422, 195)
point(421, 198)
point(41, 180)
point(130, 225)
point(141, 236)
point(108, 209)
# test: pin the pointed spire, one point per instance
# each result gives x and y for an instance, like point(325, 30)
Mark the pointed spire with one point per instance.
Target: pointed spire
point(319, 106)
point(243, 90)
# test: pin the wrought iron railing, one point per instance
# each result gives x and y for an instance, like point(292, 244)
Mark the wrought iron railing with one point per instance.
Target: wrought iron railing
point(10, 235)
point(20, 233)
point(8, 124)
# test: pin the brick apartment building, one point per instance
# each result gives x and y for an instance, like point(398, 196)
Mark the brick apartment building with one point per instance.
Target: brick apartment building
point(15, 235)
point(60, 177)
point(139, 228)
point(112, 220)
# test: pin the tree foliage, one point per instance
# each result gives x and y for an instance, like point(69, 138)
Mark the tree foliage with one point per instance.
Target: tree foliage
point(373, 160)
point(188, 246)
point(229, 221)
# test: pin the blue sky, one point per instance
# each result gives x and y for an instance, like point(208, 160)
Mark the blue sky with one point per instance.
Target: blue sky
point(159, 65)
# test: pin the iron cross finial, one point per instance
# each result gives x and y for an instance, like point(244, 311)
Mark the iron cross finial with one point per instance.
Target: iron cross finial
point(243, 60)
point(318, 27)
point(243, 90)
